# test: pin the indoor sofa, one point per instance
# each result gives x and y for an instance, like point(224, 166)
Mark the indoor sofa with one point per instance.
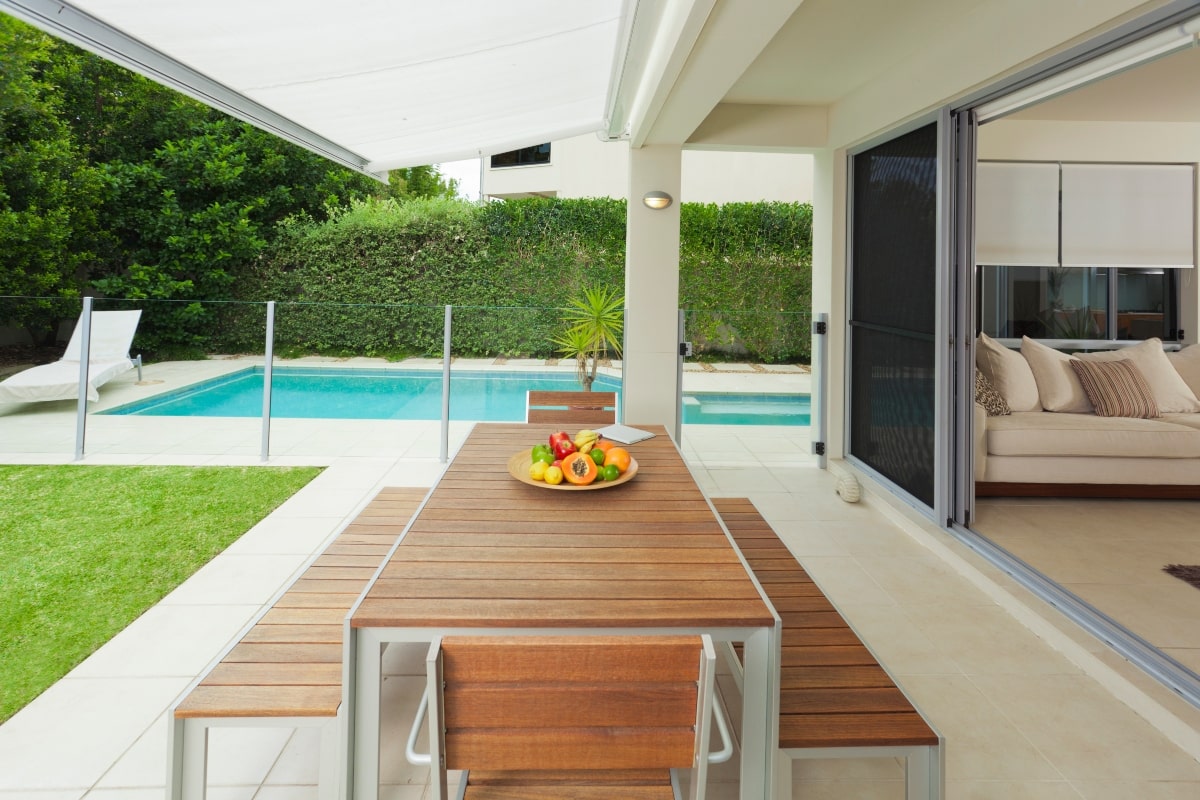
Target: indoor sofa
point(1038, 431)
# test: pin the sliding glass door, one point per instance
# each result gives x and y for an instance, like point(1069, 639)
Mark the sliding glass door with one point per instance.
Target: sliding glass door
point(895, 297)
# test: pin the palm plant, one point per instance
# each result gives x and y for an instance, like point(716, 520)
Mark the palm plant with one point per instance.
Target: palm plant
point(595, 321)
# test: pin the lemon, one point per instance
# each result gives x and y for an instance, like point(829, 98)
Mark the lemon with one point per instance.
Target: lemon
point(537, 470)
point(553, 476)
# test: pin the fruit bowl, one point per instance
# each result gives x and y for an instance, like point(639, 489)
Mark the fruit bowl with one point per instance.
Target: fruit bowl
point(518, 467)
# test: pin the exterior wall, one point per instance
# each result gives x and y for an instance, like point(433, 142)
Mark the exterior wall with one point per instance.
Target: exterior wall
point(584, 166)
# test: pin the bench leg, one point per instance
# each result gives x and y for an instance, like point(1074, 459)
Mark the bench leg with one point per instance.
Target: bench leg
point(329, 778)
point(187, 756)
point(923, 774)
point(783, 776)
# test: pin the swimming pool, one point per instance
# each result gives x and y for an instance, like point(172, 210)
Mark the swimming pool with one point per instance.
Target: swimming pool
point(490, 396)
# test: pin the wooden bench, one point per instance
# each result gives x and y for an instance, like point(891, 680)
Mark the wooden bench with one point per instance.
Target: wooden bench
point(836, 700)
point(285, 670)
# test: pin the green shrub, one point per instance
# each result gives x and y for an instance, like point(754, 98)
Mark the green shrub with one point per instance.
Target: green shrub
point(374, 279)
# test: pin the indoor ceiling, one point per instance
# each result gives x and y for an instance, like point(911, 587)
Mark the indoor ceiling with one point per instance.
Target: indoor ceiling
point(1164, 90)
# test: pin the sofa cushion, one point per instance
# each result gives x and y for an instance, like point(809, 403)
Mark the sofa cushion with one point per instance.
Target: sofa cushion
point(1040, 434)
point(988, 398)
point(1058, 387)
point(1171, 392)
point(1116, 388)
point(1008, 372)
point(1190, 420)
point(1187, 363)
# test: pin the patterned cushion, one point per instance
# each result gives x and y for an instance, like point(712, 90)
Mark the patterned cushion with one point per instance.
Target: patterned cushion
point(1116, 388)
point(987, 396)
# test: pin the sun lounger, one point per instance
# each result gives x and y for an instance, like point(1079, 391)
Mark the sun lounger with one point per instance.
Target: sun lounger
point(112, 334)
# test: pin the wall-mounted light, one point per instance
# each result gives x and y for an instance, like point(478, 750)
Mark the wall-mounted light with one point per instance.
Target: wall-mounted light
point(657, 200)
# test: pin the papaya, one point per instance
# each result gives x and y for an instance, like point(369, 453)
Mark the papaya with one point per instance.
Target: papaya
point(579, 469)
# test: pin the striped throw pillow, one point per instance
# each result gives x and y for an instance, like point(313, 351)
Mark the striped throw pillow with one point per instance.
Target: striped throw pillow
point(1116, 388)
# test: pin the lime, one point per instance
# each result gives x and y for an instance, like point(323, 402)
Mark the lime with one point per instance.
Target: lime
point(610, 472)
point(544, 457)
point(597, 457)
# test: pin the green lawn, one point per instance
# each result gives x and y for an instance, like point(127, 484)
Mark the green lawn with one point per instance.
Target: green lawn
point(84, 550)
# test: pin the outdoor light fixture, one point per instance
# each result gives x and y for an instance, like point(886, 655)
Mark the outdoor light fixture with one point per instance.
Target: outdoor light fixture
point(657, 200)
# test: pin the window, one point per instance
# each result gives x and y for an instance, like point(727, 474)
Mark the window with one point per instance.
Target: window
point(526, 156)
point(1079, 302)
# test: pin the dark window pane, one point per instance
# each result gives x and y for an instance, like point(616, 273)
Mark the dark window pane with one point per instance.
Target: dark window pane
point(538, 154)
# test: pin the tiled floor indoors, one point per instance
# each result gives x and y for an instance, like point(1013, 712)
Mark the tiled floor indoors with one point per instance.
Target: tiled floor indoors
point(1111, 553)
point(1031, 708)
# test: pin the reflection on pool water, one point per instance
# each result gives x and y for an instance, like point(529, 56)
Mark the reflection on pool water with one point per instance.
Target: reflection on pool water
point(489, 396)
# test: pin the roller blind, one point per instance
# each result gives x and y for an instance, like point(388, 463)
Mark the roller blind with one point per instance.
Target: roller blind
point(1128, 215)
point(1016, 214)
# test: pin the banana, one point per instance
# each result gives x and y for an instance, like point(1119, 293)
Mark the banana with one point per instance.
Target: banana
point(585, 440)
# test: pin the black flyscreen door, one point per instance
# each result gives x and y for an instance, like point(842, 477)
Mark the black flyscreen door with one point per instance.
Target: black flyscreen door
point(893, 310)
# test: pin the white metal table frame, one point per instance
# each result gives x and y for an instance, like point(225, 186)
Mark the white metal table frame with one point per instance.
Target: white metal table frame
point(361, 687)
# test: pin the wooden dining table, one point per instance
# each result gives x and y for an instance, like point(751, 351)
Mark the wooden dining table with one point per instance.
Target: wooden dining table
point(487, 554)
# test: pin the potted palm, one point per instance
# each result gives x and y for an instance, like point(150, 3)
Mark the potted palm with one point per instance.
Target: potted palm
point(594, 324)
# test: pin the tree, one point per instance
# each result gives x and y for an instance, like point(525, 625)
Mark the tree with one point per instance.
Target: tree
point(594, 322)
point(426, 181)
point(48, 192)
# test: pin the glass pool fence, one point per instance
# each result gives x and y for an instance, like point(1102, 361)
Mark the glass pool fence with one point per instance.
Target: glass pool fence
point(269, 378)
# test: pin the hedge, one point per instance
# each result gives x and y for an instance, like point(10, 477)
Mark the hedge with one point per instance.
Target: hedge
point(373, 279)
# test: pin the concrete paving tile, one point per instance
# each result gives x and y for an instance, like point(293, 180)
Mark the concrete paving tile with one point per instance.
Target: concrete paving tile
point(70, 735)
point(237, 579)
point(167, 641)
point(244, 756)
point(144, 763)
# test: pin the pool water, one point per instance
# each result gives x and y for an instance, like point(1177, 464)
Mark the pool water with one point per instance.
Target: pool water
point(490, 396)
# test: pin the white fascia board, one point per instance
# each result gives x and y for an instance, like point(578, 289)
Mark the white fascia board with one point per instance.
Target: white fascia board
point(67, 22)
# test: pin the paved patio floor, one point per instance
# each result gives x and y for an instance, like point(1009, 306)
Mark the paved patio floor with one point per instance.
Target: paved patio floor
point(1031, 707)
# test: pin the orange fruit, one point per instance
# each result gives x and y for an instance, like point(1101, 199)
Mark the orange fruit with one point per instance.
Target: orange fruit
point(618, 456)
point(604, 445)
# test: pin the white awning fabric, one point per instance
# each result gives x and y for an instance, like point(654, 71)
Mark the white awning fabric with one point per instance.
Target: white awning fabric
point(374, 84)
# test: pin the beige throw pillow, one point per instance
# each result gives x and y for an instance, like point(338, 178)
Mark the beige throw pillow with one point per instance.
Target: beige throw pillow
point(1058, 387)
point(1187, 365)
point(1008, 372)
point(1116, 388)
point(1171, 392)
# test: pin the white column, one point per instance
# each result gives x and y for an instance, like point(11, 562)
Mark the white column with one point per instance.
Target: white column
point(829, 283)
point(651, 348)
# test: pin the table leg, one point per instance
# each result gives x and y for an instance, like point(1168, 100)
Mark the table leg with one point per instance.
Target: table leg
point(364, 697)
point(760, 714)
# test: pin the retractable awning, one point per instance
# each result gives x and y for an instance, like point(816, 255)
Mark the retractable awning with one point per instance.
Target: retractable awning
point(372, 84)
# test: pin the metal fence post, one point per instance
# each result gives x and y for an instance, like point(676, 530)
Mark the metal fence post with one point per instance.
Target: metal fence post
point(444, 449)
point(816, 399)
point(269, 359)
point(85, 358)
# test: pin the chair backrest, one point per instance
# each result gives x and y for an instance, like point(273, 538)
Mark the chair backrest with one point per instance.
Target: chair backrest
point(112, 335)
point(571, 703)
point(571, 408)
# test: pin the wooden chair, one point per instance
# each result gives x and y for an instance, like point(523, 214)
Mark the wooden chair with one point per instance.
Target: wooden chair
point(571, 408)
point(570, 716)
